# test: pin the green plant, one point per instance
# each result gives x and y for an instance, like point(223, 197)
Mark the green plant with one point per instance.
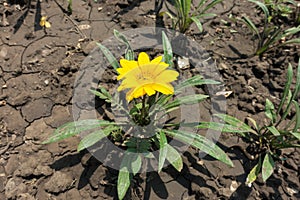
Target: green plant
point(184, 16)
point(268, 139)
point(271, 36)
point(280, 8)
point(149, 100)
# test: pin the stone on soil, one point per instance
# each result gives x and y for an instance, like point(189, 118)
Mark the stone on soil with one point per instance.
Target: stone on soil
point(37, 109)
point(13, 120)
point(59, 182)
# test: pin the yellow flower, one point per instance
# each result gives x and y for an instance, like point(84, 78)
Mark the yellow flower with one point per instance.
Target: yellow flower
point(127, 65)
point(44, 22)
point(145, 77)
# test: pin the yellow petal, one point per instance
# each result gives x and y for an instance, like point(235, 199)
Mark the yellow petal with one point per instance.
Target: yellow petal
point(128, 63)
point(129, 95)
point(143, 59)
point(149, 90)
point(156, 60)
point(47, 24)
point(167, 76)
point(163, 88)
point(139, 92)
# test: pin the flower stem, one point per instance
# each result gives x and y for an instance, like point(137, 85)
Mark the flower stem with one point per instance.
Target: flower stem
point(143, 109)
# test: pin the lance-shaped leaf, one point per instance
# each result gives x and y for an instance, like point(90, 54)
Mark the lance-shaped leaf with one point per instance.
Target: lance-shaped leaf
point(162, 150)
point(95, 136)
point(190, 99)
point(109, 56)
point(253, 173)
point(73, 128)
point(267, 167)
point(194, 81)
point(129, 54)
point(201, 143)
point(168, 52)
point(174, 158)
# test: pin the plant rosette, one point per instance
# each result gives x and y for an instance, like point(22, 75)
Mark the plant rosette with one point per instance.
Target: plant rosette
point(141, 129)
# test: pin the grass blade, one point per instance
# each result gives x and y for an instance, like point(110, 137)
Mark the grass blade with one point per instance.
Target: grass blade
point(297, 124)
point(251, 25)
point(297, 135)
point(198, 23)
point(211, 4)
point(263, 7)
point(273, 130)
point(286, 87)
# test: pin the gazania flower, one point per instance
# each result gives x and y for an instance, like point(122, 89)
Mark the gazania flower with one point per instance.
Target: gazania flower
point(44, 22)
point(145, 77)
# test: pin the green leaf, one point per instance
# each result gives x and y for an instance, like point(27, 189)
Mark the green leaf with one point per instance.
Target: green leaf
point(73, 128)
point(202, 144)
point(124, 179)
point(198, 23)
point(251, 25)
point(174, 158)
point(168, 52)
point(296, 134)
point(291, 31)
point(273, 130)
point(166, 13)
point(253, 173)
point(227, 128)
point(235, 122)
point(95, 136)
point(269, 111)
point(129, 53)
point(190, 99)
point(297, 124)
point(263, 7)
point(286, 87)
point(102, 94)
point(70, 10)
point(297, 87)
point(186, 7)
point(194, 81)
point(292, 41)
point(162, 150)
point(267, 167)
point(211, 4)
point(253, 122)
point(109, 56)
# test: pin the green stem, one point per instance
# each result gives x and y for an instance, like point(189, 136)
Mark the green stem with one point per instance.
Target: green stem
point(143, 114)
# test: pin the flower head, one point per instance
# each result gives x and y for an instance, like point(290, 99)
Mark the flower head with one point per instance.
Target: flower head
point(145, 77)
point(44, 22)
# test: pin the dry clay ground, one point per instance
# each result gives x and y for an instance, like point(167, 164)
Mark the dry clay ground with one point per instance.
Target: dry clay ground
point(37, 72)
